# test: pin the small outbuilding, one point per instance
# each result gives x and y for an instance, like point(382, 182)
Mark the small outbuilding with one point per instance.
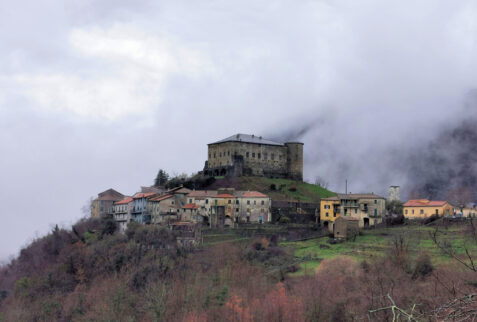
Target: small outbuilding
point(346, 227)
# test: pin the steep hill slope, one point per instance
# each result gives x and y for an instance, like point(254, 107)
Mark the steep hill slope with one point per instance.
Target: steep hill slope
point(278, 189)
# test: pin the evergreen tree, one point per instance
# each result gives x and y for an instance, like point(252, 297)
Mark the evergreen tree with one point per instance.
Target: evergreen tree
point(161, 179)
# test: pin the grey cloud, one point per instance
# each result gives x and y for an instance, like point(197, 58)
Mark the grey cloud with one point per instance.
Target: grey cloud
point(361, 83)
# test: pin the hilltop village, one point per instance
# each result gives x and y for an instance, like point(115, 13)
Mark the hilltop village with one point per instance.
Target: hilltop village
point(250, 156)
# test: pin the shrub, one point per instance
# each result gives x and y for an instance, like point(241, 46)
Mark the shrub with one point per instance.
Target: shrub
point(423, 266)
point(284, 220)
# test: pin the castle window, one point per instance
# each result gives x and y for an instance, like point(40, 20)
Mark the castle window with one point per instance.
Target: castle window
point(280, 157)
point(253, 155)
point(247, 154)
point(220, 154)
point(259, 156)
point(265, 156)
point(209, 155)
point(214, 155)
point(273, 156)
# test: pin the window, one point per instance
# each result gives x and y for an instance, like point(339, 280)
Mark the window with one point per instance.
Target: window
point(422, 211)
point(265, 156)
point(229, 202)
point(220, 154)
point(375, 212)
point(375, 202)
point(326, 215)
point(413, 211)
point(406, 211)
point(228, 153)
point(356, 211)
point(280, 157)
point(236, 210)
point(263, 202)
point(259, 155)
point(206, 201)
point(214, 155)
point(236, 202)
point(273, 156)
point(247, 154)
point(334, 215)
point(172, 202)
point(209, 155)
point(248, 202)
point(255, 202)
point(190, 200)
point(253, 155)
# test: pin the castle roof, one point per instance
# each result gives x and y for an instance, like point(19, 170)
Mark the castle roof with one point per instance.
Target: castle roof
point(247, 138)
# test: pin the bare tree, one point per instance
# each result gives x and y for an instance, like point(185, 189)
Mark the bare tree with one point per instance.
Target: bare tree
point(459, 197)
point(319, 181)
point(87, 207)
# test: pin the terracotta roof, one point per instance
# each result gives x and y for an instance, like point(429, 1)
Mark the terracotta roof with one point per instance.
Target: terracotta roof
point(190, 206)
point(124, 201)
point(253, 194)
point(161, 198)
point(140, 195)
point(225, 195)
point(424, 203)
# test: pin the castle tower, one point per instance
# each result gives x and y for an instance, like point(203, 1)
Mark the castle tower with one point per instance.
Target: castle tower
point(394, 192)
point(295, 160)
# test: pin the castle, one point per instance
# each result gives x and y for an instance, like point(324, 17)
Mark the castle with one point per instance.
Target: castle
point(244, 154)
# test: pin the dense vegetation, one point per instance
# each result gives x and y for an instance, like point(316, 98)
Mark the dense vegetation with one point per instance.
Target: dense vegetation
point(91, 273)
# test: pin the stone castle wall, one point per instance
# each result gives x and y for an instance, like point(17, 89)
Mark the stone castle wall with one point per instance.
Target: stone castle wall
point(241, 158)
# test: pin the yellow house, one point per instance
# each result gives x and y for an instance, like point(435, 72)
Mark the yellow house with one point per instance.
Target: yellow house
point(329, 209)
point(368, 208)
point(422, 208)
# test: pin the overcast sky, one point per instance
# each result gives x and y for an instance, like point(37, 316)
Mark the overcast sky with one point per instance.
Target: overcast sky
point(100, 94)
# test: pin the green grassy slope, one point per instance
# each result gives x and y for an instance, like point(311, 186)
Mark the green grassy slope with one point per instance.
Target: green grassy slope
point(285, 189)
point(375, 243)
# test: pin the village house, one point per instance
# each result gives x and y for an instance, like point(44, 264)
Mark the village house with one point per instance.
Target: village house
point(423, 208)
point(190, 214)
point(103, 205)
point(139, 211)
point(469, 211)
point(122, 212)
point(163, 209)
point(346, 227)
point(369, 208)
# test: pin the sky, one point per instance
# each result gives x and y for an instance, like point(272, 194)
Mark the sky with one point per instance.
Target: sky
point(98, 94)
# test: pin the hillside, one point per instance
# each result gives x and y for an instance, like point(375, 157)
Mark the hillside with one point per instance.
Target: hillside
point(89, 273)
point(277, 189)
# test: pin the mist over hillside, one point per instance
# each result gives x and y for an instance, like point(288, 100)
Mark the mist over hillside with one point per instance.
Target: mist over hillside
point(430, 155)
